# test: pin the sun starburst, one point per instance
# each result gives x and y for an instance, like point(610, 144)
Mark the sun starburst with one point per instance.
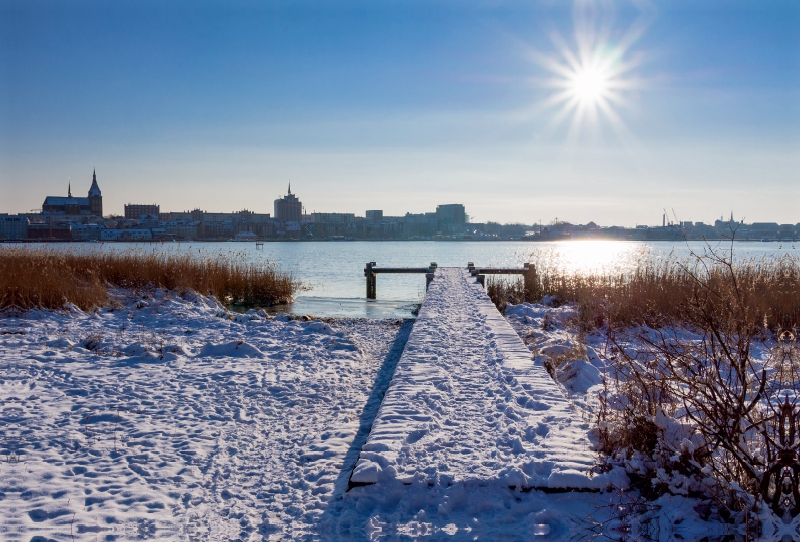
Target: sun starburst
point(590, 79)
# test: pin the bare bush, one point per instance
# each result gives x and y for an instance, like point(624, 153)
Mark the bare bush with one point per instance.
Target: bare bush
point(691, 410)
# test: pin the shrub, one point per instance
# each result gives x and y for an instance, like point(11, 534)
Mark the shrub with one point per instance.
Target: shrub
point(688, 408)
point(714, 410)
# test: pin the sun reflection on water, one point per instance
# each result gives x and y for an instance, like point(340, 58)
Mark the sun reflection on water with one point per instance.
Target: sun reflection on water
point(603, 257)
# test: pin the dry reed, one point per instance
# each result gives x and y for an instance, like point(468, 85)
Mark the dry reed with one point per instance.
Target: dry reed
point(48, 278)
point(658, 291)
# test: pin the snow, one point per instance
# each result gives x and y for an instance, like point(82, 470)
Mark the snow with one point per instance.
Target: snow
point(173, 418)
point(468, 403)
point(167, 417)
point(550, 332)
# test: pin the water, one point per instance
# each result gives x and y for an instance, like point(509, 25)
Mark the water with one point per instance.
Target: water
point(333, 272)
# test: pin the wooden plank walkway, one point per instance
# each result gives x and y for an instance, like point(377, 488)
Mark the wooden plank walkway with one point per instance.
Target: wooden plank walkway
point(468, 403)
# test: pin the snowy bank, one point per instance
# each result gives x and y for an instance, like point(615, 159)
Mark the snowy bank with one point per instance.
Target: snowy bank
point(173, 418)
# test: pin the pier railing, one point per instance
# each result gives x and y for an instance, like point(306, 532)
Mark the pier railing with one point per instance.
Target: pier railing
point(528, 272)
point(371, 272)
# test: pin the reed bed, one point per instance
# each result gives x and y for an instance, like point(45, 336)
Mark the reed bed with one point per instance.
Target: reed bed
point(658, 292)
point(48, 278)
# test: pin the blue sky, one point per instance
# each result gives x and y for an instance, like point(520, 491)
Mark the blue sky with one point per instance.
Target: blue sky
point(402, 105)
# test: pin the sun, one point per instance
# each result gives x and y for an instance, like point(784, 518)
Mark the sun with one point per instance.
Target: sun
point(590, 79)
point(590, 84)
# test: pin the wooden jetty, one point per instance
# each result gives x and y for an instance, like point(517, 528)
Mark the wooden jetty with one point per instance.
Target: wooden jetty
point(469, 403)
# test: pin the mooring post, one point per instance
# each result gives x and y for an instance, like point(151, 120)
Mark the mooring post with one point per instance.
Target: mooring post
point(481, 279)
point(428, 279)
point(429, 274)
point(470, 266)
point(529, 281)
point(371, 286)
point(374, 282)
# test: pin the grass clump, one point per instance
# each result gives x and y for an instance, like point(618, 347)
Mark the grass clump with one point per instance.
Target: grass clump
point(48, 278)
point(659, 292)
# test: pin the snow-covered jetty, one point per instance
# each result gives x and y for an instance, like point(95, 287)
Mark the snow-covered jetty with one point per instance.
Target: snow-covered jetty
point(468, 403)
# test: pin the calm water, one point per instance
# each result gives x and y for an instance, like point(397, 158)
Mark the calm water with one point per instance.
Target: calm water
point(333, 271)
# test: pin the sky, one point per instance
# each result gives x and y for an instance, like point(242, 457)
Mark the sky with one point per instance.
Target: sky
point(524, 111)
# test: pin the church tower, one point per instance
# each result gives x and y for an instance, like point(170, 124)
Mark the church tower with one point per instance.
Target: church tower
point(95, 197)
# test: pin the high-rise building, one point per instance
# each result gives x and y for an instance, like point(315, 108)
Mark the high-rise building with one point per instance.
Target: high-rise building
point(288, 208)
point(374, 216)
point(453, 213)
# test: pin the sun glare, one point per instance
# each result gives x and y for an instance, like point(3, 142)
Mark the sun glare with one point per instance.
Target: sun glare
point(589, 84)
point(591, 76)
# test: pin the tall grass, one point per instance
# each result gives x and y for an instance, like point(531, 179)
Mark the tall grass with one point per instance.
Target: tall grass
point(656, 292)
point(48, 278)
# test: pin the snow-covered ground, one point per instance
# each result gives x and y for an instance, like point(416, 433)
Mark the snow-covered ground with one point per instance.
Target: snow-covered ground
point(551, 334)
point(170, 418)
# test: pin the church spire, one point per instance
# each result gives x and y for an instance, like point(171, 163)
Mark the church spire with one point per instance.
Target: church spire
point(69, 189)
point(94, 191)
point(290, 188)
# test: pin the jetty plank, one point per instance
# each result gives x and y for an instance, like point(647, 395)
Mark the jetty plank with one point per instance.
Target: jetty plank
point(468, 403)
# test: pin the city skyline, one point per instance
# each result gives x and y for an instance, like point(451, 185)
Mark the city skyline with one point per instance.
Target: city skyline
point(522, 112)
point(666, 217)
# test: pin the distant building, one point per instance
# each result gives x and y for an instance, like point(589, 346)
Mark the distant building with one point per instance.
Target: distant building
point(288, 208)
point(453, 213)
point(245, 236)
point(195, 215)
point(182, 230)
point(45, 232)
point(374, 217)
point(135, 211)
point(126, 234)
point(333, 218)
point(69, 205)
point(86, 232)
point(160, 233)
point(13, 227)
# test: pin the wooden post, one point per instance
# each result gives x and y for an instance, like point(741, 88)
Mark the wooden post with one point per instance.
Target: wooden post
point(374, 283)
point(371, 282)
point(530, 282)
point(367, 273)
point(481, 279)
point(470, 265)
point(429, 275)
